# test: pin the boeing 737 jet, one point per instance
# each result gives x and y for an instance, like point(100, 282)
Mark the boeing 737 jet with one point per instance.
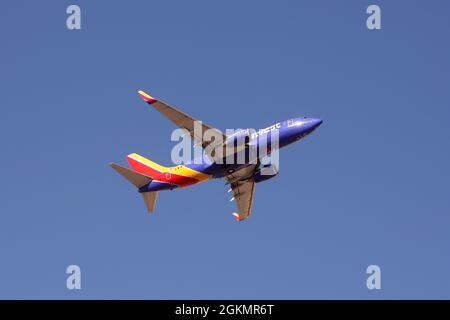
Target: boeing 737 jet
point(150, 178)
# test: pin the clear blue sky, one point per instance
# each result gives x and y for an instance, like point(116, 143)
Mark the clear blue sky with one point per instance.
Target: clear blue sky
point(370, 186)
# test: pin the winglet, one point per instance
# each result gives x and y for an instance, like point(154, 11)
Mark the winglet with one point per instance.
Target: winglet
point(236, 216)
point(147, 97)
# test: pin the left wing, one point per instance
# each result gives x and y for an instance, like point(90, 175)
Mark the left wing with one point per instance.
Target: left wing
point(243, 188)
point(181, 119)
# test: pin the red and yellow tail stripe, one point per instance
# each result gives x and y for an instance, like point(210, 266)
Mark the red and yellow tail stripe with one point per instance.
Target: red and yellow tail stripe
point(146, 167)
point(179, 175)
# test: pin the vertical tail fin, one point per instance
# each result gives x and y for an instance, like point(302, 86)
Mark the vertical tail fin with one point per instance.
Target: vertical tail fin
point(145, 166)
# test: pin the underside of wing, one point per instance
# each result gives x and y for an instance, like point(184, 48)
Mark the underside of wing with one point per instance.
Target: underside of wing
point(243, 188)
point(182, 120)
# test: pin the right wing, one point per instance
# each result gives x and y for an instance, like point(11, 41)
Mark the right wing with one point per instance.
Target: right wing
point(181, 119)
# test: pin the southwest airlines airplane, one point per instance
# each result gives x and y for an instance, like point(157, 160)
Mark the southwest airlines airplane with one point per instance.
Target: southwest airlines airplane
point(150, 177)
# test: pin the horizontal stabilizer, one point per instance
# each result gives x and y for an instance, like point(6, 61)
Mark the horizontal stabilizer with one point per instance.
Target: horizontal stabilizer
point(139, 180)
point(150, 200)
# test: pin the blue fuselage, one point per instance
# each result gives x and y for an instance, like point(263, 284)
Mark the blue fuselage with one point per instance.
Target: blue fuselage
point(288, 132)
point(263, 141)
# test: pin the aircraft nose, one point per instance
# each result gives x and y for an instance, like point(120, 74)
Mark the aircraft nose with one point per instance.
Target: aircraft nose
point(316, 122)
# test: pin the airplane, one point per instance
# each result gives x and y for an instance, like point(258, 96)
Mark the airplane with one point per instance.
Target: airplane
point(150, 178)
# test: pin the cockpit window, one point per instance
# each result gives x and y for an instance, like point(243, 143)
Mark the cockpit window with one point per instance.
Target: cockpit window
point(296, 122)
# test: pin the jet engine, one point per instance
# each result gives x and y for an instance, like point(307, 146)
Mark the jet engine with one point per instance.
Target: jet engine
point(265, 172)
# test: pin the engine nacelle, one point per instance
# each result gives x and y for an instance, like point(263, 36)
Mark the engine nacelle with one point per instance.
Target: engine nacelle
point(265, 173)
